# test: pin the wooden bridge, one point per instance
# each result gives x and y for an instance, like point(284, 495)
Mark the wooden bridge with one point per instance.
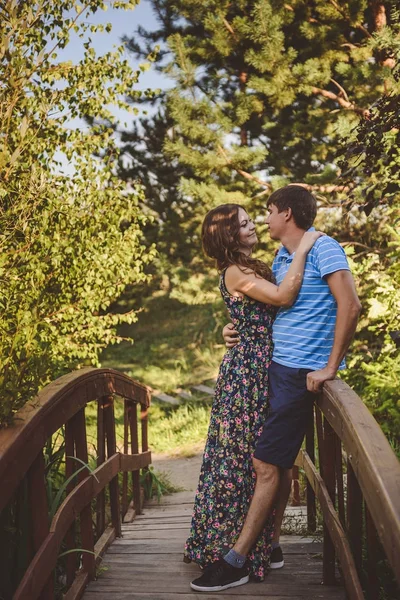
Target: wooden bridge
point(98, 533)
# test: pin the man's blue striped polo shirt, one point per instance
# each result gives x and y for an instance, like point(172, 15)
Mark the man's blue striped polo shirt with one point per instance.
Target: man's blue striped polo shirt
point(303, 334)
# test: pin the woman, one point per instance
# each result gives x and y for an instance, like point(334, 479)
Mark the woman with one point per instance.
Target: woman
point(241, 396)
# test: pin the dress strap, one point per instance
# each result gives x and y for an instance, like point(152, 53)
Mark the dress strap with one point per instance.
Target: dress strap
point(222, 284)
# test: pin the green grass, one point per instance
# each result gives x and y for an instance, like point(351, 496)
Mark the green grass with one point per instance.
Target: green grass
point(175, 344)
point(176, 431)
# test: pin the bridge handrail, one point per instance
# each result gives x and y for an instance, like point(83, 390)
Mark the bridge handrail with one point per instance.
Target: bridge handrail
point(347, 430)
point(60, 403)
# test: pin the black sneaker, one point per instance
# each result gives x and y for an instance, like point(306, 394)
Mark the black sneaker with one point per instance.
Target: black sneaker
point(276, 558)
point(220, 576)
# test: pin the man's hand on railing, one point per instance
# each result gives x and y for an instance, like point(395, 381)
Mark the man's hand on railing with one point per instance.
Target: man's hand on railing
point(316, 379)
point(230, 335)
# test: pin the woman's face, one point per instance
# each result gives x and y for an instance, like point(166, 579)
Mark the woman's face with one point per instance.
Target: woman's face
point(247, 231)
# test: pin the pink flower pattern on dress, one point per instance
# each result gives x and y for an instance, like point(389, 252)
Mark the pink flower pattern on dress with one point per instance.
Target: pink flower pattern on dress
point(238, 413)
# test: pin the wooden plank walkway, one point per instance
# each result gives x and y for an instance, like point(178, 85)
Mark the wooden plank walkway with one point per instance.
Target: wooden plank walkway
point(146, 563)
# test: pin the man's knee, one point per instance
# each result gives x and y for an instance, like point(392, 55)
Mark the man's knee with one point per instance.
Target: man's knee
point(265, 472)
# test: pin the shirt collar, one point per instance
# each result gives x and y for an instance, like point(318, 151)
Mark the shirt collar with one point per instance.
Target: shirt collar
point(284, 253)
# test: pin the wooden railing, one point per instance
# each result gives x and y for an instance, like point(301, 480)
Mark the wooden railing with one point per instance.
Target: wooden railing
point(358, 489)
point(88, 517)
point(355, 477)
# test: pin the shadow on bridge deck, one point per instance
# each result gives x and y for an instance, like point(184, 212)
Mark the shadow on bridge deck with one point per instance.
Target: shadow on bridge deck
point(146, 563)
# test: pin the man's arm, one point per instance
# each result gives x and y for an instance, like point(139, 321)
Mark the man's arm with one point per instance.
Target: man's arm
point(230, 335)
point(341, 284)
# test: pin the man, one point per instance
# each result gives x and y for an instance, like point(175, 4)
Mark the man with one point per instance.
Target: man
point(310, 341)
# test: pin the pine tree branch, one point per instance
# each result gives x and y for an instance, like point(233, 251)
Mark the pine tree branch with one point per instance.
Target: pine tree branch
point(342, 90)
point(342, 101)
point(244, 174)
point(230, 29)
point(343, 14)
point(325, 188)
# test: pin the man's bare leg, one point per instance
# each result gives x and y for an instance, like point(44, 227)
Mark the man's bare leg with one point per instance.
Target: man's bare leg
point(282, 498)
point(266, 489)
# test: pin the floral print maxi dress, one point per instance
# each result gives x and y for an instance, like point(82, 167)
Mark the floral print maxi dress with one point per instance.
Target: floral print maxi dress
point(239, 410)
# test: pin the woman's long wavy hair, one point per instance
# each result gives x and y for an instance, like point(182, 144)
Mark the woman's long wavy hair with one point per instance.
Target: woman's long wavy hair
point(220, 237)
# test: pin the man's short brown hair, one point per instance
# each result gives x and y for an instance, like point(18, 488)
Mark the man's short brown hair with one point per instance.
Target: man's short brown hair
point(300, 200)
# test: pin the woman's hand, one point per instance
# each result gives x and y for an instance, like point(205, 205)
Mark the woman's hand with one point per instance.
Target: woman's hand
point(308, 240)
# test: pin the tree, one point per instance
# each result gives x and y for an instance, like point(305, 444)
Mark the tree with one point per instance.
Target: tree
point(266, 92)
point(284, 80)
point(371, 158)
point(70, 243)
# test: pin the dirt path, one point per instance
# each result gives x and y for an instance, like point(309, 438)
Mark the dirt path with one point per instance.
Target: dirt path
point(181, 471)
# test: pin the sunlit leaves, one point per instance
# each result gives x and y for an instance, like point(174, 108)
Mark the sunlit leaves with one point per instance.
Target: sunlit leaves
point(70, 243)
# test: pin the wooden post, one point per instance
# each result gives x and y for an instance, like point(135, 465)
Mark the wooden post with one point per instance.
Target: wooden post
point(101, 457)
point(354, 516)
point(70, 466)
point(133, 423)
point(295, 487)
point(311, 508)
point(39, 514)
point(328, 462)
point(339, 479)
point(144, 417)
point(88, 558)
point(124, 502)
point(373, 547)
point(109, 423)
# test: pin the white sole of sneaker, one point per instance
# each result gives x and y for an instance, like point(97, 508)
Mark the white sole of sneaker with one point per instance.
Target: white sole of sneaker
point(220, 588)
point(277, 565)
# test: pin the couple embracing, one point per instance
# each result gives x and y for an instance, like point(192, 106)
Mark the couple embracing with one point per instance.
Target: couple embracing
point(289, 332)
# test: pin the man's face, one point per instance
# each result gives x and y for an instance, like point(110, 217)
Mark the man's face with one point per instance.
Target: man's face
point(276, 222)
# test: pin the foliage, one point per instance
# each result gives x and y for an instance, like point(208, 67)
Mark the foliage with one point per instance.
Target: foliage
point(372, 159)
point(266, 93)
point(69, 243)
point(156, 483)
point(261, 87)
point(177, 343)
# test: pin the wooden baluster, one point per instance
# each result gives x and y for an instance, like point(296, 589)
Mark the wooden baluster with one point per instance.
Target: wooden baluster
point(328, 461)
point(354, 516)
point(87, 538)
point(70, 468)
point(39, 514)
point(311, 508)
point(24, 550)
point(373, 547)
point(144, 417)
point(109, 424)
point(320, 439)
point(339, 479)
point(101, 457)
point(133, 423)
point(295, 487)
point(124, 502)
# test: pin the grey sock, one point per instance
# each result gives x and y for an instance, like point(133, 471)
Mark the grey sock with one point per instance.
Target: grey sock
point(275, 545)
point(234, 559)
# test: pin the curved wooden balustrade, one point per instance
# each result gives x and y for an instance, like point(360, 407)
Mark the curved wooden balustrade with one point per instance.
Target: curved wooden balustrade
point(357, 480)
point(364, 503)
point(22, 469)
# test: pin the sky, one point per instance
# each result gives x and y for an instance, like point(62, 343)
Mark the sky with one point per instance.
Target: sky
point(123, 23)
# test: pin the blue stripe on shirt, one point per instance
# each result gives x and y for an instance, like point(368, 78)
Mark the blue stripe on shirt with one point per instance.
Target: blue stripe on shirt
point(303, 334)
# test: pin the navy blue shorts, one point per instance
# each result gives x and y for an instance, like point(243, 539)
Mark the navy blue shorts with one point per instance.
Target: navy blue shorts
point(291, 409)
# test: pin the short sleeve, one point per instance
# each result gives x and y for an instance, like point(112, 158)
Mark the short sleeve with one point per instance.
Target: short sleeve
point(330, 256)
